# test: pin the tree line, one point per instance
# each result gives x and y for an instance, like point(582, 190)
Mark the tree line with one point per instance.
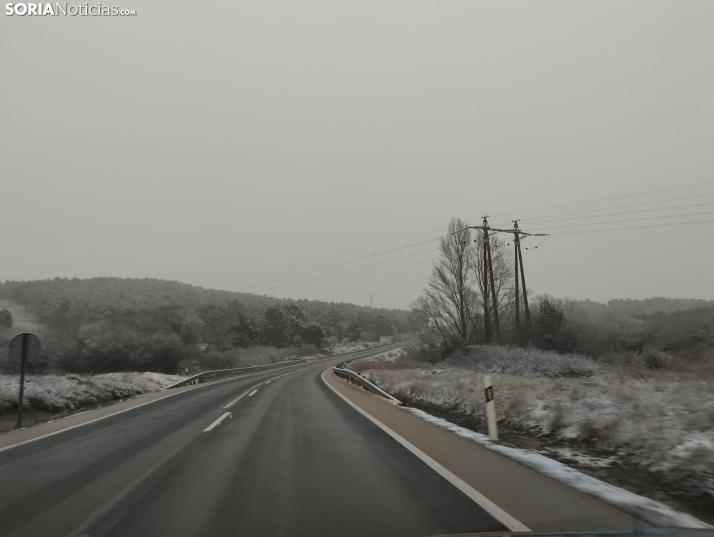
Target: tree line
point(451, 309)
point(114, 324)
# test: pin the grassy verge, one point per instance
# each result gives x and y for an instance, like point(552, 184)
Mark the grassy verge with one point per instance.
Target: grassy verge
point(616, 414)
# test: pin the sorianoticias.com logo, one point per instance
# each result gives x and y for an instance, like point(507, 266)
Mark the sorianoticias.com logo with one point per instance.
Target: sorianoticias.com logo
point(63, 8)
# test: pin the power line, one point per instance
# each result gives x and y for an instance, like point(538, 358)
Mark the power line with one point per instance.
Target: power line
point(558, 233)
point(629, 220)
point(625, 212)
point(262, 271)
point(271, 289)
point(332, 255)
point(681, 187)
point(360, 275)
point(341, 263)
point(634, 227)
point(343, 272)
point(538, 219)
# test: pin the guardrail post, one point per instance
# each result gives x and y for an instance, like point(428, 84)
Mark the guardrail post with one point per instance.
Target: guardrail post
point(490, 408)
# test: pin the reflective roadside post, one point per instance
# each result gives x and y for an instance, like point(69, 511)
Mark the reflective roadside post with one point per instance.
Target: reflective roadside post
point(490, 408)
point(22, 347)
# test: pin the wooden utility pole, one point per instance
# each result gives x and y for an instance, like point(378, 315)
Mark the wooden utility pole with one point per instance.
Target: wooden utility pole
point(486, 308)
point(515, 268)
point(489, 284)
point(493, 288)
point(519, 261)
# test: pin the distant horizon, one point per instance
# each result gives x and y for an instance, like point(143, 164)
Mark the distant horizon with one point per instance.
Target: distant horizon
point(342, 301)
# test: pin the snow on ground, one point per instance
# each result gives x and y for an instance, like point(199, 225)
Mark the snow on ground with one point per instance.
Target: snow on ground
point(662, 425)
point(56, 394)
point(649, 510)
point(658, 422)
point(579, 459)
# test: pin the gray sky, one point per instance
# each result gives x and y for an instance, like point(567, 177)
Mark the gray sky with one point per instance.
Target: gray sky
point(213, 146)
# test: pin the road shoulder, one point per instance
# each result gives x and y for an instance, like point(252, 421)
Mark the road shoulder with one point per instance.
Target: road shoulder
point(538, 502)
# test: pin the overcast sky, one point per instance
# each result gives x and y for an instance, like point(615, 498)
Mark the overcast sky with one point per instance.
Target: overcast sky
point(216, 145)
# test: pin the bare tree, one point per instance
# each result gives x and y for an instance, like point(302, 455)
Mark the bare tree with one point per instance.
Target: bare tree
point(448, 304)
point(503, 279)
point(451, 307)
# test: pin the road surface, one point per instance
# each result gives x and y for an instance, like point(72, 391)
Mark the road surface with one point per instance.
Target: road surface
point(291, 458)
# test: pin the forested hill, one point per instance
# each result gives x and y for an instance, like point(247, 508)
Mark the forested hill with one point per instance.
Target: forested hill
point(95, 298)
point(110, 324)
point(648, 306)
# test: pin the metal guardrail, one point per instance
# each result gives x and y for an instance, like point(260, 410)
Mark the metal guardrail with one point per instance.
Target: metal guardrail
point(208, 376)
point(367, 385)
point(341, 371)
point(379, 350)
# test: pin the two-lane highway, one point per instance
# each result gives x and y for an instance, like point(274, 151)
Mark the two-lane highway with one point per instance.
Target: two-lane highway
point(288, 457)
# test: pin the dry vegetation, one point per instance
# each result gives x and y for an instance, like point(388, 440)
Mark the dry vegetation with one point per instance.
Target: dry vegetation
point(651, 409)
point(50, 396)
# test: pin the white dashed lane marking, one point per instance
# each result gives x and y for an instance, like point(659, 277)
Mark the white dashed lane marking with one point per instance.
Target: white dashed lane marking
point(217, 422)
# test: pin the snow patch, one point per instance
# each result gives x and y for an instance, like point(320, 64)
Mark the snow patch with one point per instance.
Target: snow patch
point(578, 458)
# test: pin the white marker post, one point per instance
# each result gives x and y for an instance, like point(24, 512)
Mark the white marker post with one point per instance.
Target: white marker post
point(490, 408)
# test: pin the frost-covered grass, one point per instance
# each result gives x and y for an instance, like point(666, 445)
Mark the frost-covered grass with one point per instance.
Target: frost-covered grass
point(60, 394)
point(660, 421)
point(357, 346)
point(394, 359)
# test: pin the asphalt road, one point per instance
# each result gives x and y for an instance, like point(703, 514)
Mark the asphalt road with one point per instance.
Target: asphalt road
point(293, 459)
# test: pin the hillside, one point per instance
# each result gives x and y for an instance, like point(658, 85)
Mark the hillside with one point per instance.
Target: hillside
point(115, 324)
point(94, 298)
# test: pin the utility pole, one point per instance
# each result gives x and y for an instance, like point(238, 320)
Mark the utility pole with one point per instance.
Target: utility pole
point(515, 268)
point(517, 241)
point(518, 262)
point(488, 285)
point(493, 287)
point(486, 308)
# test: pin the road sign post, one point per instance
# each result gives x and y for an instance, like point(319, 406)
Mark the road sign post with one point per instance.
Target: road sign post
point(490, 408)
point(22, 347)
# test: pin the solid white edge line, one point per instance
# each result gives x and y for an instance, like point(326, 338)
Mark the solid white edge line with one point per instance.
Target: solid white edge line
point(95, 420)
point(491, 508)
point(251, 394)
point(196, 387)
point(217, 422)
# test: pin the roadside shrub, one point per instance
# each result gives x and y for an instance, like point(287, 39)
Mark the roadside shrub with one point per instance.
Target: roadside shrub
point(531, 362)
point(655, 360)
point(422, 353)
